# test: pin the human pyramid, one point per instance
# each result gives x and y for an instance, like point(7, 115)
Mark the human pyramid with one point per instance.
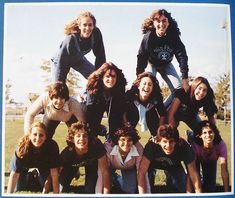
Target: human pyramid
point(38, 156)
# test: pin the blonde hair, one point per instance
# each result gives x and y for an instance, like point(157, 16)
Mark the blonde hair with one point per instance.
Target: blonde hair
point(73, 26)
point(24, 142)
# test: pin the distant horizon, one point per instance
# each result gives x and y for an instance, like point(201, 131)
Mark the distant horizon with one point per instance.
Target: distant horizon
point(32, 33)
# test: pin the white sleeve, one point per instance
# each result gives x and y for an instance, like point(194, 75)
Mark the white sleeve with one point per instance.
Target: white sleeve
point(32, 111)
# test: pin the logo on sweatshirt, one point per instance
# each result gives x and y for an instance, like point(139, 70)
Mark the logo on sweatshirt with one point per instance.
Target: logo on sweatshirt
point(164, 53)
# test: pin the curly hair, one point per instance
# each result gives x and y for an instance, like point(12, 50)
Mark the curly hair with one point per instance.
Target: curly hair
point(126, 131)
point(95, 83)
point(75, 128)
point(24, 142)
point(148, 23)
point(156, 92)
point(73, 26)
point(58, 89)
point(198, 132)
point(209, 98)
point(168, 132)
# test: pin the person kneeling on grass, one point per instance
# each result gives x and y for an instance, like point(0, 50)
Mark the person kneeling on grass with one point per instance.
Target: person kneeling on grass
point(209, 147)
point(34, 161)
point(84, 150)
point(124, 153)
point(166, 153)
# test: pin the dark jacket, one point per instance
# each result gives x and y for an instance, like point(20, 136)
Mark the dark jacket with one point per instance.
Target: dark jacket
point(98, 104)
point(159, 51)
point(155, 109)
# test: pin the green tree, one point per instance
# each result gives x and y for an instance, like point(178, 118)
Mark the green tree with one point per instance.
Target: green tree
point(8, 91)
point(222, 96)
point(73, 78)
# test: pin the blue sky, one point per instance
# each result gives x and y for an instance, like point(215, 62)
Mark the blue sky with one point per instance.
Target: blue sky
point(33, 32)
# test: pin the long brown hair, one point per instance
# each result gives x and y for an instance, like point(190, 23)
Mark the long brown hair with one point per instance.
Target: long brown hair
point(95, 80)
point(210, 93)
point(24, 142)
point(73, 26)
point(156, 92)
point(148, 23)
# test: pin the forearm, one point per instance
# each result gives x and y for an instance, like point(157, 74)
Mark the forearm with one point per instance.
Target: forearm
point(13, 179)
point(106, 187)
point(225, 178)
point(162, 120)
point(55, 184)
point(189, 188)
point(141, 183)
point(196, 183)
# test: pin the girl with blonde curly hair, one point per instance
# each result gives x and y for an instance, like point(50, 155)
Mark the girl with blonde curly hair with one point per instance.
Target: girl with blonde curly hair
point(82, 36)
point(36, 157)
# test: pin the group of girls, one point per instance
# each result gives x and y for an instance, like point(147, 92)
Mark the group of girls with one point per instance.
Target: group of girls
point(142, 104)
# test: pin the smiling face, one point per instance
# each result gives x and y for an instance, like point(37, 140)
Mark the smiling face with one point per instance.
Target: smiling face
point(200, 92)
point(109, 79)
point(168, 145)
point(207, 136)
point(86, 27)
point(58, 102)
point(81, 140)
point(125, 143)
point(145, 88)
point(161, 24)
point(37, 136)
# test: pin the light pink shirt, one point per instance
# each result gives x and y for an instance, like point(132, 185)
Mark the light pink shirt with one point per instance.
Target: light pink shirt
point(71, 107)
point(133, 158)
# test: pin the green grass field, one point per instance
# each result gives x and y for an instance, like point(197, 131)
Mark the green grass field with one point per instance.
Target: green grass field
point(14, 130)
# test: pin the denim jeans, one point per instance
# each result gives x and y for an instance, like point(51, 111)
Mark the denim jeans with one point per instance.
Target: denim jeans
point(170, 76)
point(51, 125)
point(62, 63)
point(209, 170)
point(128, 180)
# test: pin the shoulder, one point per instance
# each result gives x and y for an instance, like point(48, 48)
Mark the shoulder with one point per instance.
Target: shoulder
point(97, 149)
point(150, 145)
point(139, 148)
point(183, 144)
point(148, 34)
point(181, 94)
point(146, 37)
point(52, 146)
point(222, 145)
point(108, 146)
point(73, 101)
point(67, 152)
point(70, 37)
point(97, 32)
point(130, 94)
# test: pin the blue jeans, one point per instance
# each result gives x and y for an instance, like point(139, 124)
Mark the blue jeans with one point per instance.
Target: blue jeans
point(62, 63)
point(128, 180)
point(170, 76)
point(174, 178)
point(209, 170)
